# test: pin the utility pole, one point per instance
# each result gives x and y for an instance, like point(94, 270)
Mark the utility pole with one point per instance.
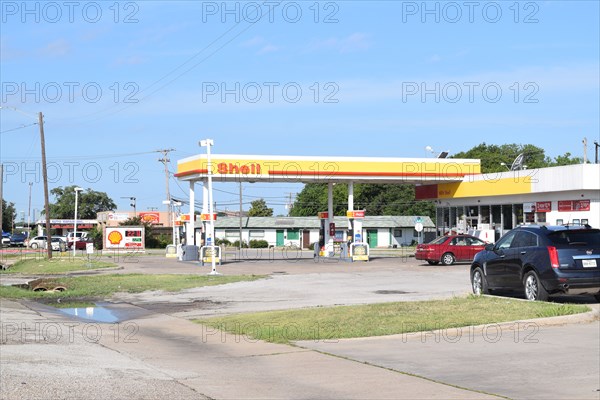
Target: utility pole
point(290, 204)
point(241, 221)
point(45, 177)
point(29, 212)
point(2, 198)
point(165, 160)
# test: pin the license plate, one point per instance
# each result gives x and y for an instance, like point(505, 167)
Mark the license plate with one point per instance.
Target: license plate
point(589, 263)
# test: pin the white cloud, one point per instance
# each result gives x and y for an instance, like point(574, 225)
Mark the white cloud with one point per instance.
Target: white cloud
point(352, 43)
point(269, 48)
point(259, 41)
point(131, 60)
point(57, 48)
point(255, 41)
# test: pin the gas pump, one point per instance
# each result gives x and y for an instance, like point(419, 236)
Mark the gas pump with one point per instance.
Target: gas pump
point(323, 217)
point(359, 251)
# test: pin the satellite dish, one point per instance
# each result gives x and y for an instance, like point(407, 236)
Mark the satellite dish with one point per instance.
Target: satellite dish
point(517, 165)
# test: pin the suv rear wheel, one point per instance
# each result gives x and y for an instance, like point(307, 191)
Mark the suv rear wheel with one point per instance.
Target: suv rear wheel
point(533, 287)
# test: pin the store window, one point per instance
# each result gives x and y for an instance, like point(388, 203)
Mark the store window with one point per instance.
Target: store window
point(232, 234)
point(540, 217)
point(397, 232)
point(519, 213)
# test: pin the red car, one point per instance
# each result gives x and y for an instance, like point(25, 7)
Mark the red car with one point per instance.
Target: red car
point(449, 249)
point(80, 244)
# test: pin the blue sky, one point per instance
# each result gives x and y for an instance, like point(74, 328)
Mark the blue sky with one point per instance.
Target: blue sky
point(117, 81)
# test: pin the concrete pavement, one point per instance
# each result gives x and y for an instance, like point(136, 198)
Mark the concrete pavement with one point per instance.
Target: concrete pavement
point(156, 352)
point(521, 360)
point(160, 356)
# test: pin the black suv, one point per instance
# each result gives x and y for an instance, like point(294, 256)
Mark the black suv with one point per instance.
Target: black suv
point(541, 261)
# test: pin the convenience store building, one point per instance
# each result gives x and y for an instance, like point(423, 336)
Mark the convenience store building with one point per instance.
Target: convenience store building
point(501, 201)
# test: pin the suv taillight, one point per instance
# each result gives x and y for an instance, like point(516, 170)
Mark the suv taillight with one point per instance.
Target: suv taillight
point(553, 256)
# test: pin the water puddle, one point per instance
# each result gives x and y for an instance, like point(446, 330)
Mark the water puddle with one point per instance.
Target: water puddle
point(95, 313)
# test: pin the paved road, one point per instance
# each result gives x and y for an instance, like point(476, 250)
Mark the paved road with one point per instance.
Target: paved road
point(516, 360)
point(158, 352)
point(307, 284)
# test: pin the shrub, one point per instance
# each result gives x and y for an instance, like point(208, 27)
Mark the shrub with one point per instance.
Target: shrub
point(223, 242)
point(237, 244)
point(259, 244)
point(157, 242)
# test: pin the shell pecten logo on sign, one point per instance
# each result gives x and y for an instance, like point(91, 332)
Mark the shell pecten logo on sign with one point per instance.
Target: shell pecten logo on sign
point(115, 237)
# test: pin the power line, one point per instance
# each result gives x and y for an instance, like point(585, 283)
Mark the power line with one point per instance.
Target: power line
point(19, 127)
point(86, 157)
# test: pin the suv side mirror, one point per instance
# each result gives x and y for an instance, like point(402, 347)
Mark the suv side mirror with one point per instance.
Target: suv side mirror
point(489, 247)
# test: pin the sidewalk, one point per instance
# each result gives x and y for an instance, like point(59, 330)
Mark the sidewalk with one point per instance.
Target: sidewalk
point(167, 357)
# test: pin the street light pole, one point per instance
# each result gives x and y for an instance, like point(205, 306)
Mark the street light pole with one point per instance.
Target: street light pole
point(77, 190)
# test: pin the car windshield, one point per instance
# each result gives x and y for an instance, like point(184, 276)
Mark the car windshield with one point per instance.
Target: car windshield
point(580, 237)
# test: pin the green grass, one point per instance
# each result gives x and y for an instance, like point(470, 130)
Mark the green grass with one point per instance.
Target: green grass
point(102, 286)
point(56, 265)
point(384, 319)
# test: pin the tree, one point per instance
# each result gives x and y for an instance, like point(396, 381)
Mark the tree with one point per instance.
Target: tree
point(492, 156)
point(8, 215)
point(313, 199)
point(258, 208)
point(376, 199)
point(89, 203)
point(565, 159)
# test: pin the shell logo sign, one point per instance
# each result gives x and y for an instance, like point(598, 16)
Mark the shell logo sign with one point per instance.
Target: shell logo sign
point(115, 238)
point(150, 217)
point(124, 238)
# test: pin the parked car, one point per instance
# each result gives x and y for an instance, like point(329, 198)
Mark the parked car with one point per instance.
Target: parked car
point(541, 261)
point(81, 244)
point(57, 244)
point(36, 242)
point(5, 238)
point(18, 239)
point(449, 249)
point(71, 237)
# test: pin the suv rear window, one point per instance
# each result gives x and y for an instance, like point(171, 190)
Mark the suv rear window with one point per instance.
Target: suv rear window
point(587, 237)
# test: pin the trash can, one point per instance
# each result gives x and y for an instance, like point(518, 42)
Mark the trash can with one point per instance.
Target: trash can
point(190, 253)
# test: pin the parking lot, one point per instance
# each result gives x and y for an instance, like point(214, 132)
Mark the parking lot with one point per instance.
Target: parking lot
point(170, 354)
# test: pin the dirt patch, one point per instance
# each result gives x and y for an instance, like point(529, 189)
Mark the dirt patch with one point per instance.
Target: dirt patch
point(176, 307)
point(391, 292)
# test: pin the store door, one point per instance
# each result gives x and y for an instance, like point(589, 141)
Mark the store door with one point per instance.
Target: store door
point(372, 238)
point(280, 239)
point(305, 239)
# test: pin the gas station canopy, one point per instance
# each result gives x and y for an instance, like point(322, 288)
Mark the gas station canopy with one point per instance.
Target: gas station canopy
point(260, 168)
